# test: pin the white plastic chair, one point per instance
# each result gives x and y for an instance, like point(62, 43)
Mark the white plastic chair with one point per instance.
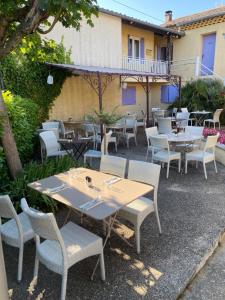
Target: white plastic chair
point(184, 109)
point(151, 131)
point(50, 146)
point(162, 152)
point(112, 139)
point(156, 114)
point(15, 232)
point(139, 209)
point(192, 131)
point(130, 130)
point(66, 133)
point(95, 153)
point(164, 125)
point(62, 248)
point(185, 116)
point(205, 156)
point(113, 165)
point(216, 118)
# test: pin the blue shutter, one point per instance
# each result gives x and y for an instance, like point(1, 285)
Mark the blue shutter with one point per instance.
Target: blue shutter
point(142, 48)
point(164, 93)
point(129, 96)
point(173, 93)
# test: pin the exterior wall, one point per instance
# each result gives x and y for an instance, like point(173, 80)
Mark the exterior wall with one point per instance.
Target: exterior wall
point(93, 46)
point(77, 98)
point(190, 46)
point(139, 33)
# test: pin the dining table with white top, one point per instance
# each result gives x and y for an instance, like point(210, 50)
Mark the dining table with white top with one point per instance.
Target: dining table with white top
point(200, 116)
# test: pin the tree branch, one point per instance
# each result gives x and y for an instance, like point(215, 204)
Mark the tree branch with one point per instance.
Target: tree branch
point(39, 30)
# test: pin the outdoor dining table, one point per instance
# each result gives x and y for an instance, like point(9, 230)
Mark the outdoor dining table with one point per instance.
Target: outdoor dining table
point(77, 145)
point(107, 199)
point(200, 116)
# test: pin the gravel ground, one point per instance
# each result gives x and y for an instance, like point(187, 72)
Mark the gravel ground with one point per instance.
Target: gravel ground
point(192, 214)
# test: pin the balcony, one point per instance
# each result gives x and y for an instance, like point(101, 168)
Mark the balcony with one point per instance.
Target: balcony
point(155, 67)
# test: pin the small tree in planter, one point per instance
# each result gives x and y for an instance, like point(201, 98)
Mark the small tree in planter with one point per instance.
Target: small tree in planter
point(104, 119)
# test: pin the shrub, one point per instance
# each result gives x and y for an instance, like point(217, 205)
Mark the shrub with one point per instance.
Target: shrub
point(202, 94)
point(33, 171)
point(25, 72)
point(23, 116)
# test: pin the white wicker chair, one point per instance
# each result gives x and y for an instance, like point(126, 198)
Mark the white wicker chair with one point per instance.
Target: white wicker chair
point(193, 131)
point(95, 153)
point(49, 145)
point(65, 133)
point(112, 139)
point(139, 209)
point(16, 231)
point(113, 165)
point(62, 248)
point(216, 118)
point(151, 131)
point(162, 152)
point(164, 125)
point(130, 130)
point(205, 156)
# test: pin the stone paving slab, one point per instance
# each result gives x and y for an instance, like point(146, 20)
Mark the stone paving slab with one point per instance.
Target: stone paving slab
point(192, 214)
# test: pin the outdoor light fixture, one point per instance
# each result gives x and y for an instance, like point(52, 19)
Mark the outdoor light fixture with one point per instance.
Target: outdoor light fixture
point(50, 79)
point(124, 85)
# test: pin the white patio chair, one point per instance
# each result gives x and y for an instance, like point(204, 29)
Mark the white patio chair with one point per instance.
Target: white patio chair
point(216, 119)
point(186, 119)
point(50, 124)
point(130, 130)
point(205, 156)
point(174, 112)
point(139, 209)
point(112, 139)
point(164, 125)
point(184, 109)
point(50, 146)
point(66, 133)
point(192, 131)
point(162, 152)
point(151, 131)
point(113, 165)
point(98, 154)
point(62, 248)
point(156, 115)
point(15, 232)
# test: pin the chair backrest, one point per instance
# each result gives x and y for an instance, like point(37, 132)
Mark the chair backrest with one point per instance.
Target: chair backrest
point(105, 142)
point(151, 131)
point(164, 125)
point(194, 130)
point(216, 115)
point(211, 142)
point(174, 111)
point(62, 128)
point(97, 129)
point(185, 116)
point(144, 172)
point(50, 125)
point(131, 123)
point(113, 165)
point(49, 141)
point(159, 142)
point(89, 128)
point(43, 225)
point(184, 109)
point(8, 211)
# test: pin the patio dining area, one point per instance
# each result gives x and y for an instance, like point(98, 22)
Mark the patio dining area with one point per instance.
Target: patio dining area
point(191, 212)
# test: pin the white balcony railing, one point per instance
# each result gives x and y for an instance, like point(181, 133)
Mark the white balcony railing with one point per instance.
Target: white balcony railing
point(155, 67)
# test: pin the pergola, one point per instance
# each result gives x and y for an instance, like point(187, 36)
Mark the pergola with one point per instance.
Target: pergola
point(100, 77)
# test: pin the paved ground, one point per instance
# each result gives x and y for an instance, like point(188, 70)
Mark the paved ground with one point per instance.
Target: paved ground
point(192, 214)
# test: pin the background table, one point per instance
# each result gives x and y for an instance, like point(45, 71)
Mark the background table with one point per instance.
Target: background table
point(200, 116)
point(78, 146)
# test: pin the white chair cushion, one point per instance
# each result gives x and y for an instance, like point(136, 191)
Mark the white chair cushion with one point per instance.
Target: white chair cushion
point(199, 155)
point(10, 233)
point(93, 153)
point(163, 155)
point(79, 244)
point(139, 206)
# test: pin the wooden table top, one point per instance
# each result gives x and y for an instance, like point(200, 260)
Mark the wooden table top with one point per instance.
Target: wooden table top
point(77, 193)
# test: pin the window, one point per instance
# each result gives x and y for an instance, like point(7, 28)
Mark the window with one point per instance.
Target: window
point(129, 96)
point(169, 93)
point(134, 47)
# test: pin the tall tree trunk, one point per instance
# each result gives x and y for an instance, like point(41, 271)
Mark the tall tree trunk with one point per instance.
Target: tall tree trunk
point(8, 142)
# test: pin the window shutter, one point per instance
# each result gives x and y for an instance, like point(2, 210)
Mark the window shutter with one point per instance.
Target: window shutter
point(129, 47)
point(142, 48)
point(164, 93)
point(173, 93)
point(129, 96)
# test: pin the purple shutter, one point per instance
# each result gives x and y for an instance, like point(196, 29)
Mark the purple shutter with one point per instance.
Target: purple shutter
point(142, 48)
point(129, 96)
point(164, 94)
point(208, 54)
point(173, 93)
point(129, 47)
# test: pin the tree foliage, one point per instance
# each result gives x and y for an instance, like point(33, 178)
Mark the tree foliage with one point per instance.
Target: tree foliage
point(25, 73)
point(19, 18)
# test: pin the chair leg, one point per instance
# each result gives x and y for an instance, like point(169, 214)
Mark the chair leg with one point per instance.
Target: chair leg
point(204, 167)
point(102, 266)
point(168, 169)
point(186, 164)
point(179, 165)
point(137, 237)
point(20, 264)
point(36, 267)
point(146, 158)
point(64, 283)
point(157, 218)
point(215, 166)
